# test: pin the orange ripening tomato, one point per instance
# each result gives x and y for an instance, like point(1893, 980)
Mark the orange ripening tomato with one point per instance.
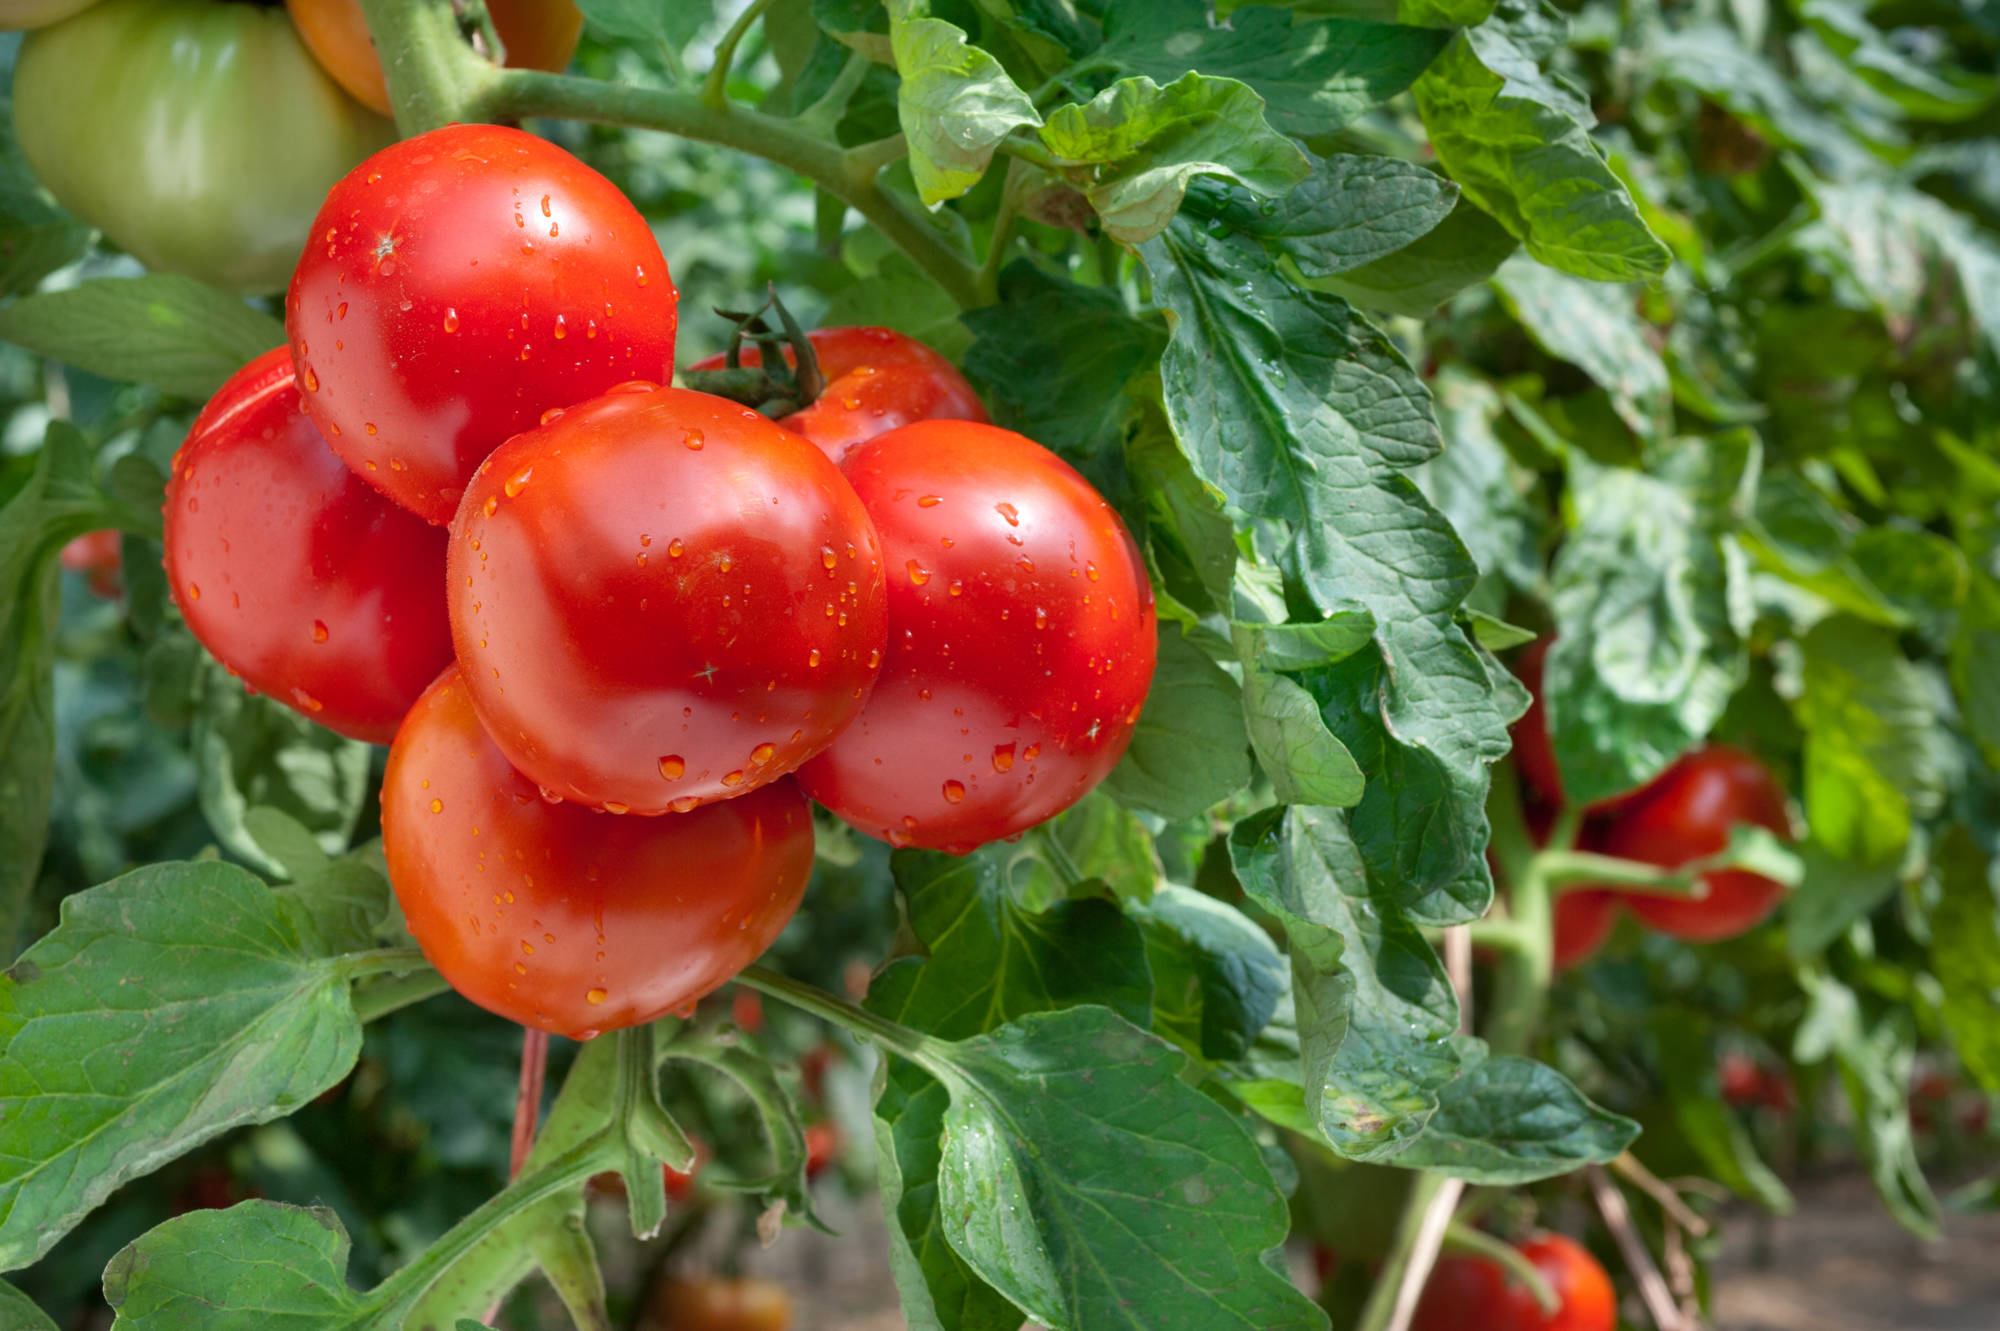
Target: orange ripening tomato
point(565, 919)
point(1467, 1293)
point(538, 34)
point(293, 572)
point(712, 1303)
point(876, 380)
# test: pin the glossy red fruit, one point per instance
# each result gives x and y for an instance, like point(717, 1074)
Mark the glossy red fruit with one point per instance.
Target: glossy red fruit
point(662, 599)
point(1584, 918)
point(876, 381)
point(1021, 641)
point(565, 919)
point(293, 572)
point(822, 1147)
point(1468, 1293)
point(1685, 814)
point(456, 286)
point(97, 555)
point(1534, 755)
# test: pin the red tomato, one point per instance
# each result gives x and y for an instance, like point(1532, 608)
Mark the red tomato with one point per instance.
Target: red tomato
point(568, 920)
point(538, 34)
point(712, 1303)
point(746, 1009)
point(1534, 755)
point(876, 381)
point(95, 554)
point(1584, 918)
point(1740, 1080)
point(295, 574)
point(662, 599)
point(1474, 1294)
point(1687, 813)
point(822, 1147)
point(680, 1183)
point(1020, 641)
point(457, 285)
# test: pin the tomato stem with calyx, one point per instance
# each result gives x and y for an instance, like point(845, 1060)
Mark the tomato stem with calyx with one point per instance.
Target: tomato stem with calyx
point(778, 385)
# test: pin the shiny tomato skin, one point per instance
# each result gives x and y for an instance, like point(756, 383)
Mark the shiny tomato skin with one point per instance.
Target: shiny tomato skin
point(200, 137)
point(662, 599)
point(716, 1303)
point(538, 34)
point(456, 286)
point(566, 919)
point(876, 381)
point(1467, 1293)
point(295, 574)
point(1021, 641)
point(1686, 813)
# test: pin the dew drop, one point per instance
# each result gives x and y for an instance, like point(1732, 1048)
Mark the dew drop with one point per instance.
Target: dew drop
point(673, 766)
point(312, 380)
point(1041, 618)
point(595, 996)
point(450, 320)
point(319, 631)
point(693, 439)
point(954, 792)
point(518, 482)
point(674, 548)
point(613, 806)
point(919, 575)
point(732, 778)
point(492, 504)
point(930, 501)
point(1003, 757)
point(550, 417)
point(763, 753)
point(812, 658)
point(1009, 512)
point(827, 558)
point(957, 588)
point(437, 806)
point(685, 804)
point(194, 594)
point(1090, 570)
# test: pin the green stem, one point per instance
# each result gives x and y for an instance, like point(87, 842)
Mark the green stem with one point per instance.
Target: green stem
point(378, 999)
point(1562, 869)
point(1462, 1238)
point(866, 160)
point(474, 16)
point(827, 109)
point(899, 1039)
point(715, 88)
point(432, 73)
point(1380, 1309)
point(382, 961)
point(1003, 233)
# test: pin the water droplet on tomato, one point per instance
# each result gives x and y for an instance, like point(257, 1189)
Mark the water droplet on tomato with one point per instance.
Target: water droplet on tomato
point(550, 417)
point(693, 439)
point(450, 320)
point(1041, 618)
point(673, 766)
point(674, 548)
point(919, 575)
point(562, 330)
point(194, 594)
point(640, 270)
point(957, 588)
point(518, 482)
point(437, 806)
point(613, 806)
point(685, 804)
point(491, 506)
point(1003, 757)
point(827, 558)
point(595, 996)
point(763, 753)
point(319, 631)
point(732, 778)
point(1009, 512)
point(954, 792)
point(311, 380)
point(812, 657)
point(930, 501)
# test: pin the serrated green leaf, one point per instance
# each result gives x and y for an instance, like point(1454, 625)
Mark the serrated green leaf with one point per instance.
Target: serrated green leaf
point(1497, 635)
point(1506, 1121)
point(648, 21)
point(19, 1313)
point(1872, 764)
point(1305, 646)
point(1597, 328)
point(179, 335)
point(1217, 976)
point(1189, 750)
point(1350, 211)
point(1651, 620)
point(901, 296)
point(168, 1006)
point(1518, 140)
point(1476, 483)
point(1300, 412)
point(1305, 761)
point(1134, 147)
point(1462, 250)
point(1965, 955)
point(1314, 75)
point(170, 1277)
point(956, 103)
point(1189, 539)
point(1086, 1181)
point(1890, 243)
point(1946, 94)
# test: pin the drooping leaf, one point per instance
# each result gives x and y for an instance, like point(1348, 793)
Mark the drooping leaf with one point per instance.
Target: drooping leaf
point(1508, 1120)
point(1217, 977)
point(1189, 750)
point(180, 335)
point(1350, 211)
point(1461, 251)
point(1597, 328)
point(1314, 74)
point(1649, 595)
point(215, 1269)
point(956, 103)
point(1517, 138)
point(1134, 147)
point(1947, 94)
point(168, 1006)
point(1476, 484)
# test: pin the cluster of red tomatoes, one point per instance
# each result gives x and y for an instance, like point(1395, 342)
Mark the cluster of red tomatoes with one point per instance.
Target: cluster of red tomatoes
point(1684, 814)
point(460, 511)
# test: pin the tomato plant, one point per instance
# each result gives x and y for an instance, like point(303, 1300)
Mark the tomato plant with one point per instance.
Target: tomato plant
point(714, 1303)
point(200, 137)
point(292, 571)
point(1412, 670)
point(537, 34)
point(662, 600)
point(458, 285)
point(1020, 641)
point(559, 917)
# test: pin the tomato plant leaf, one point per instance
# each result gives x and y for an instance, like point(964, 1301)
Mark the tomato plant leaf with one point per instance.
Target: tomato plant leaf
point(1300, 412)
point(176, 1275)
point(1305, 761)
point(1314, 74)
point(1930, 94)
point(644, 21)
point(1712, 60)
point(168, 1006)
point(182, 336)
point(1891, 241)
point(1873, 759)
point(1649, 599)
point(1217, 976)
point(36, 236)
point(1518, 140)
point(1134, 147)
point(1421, 13)
point(1595, 327)
point(1461, 251)
point(901, 296)
point(1349, 212)
point(1965, 955)
point(1189, 750)
point(1083, 1179)
point(1508, 1120)
point(1476, 483)
point(956, 103)
point(1706, 1121)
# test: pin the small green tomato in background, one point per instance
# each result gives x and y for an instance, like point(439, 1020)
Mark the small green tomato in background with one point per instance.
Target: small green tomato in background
point(201, 137)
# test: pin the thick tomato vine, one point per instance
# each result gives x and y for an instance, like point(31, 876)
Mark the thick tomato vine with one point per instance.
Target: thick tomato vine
point(293, 572)
point(456, 286)
point(565, 919)
point(538, 34)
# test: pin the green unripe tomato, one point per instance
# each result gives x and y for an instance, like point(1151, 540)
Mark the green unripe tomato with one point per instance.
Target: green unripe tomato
point(200, 137)
point(18, 14)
